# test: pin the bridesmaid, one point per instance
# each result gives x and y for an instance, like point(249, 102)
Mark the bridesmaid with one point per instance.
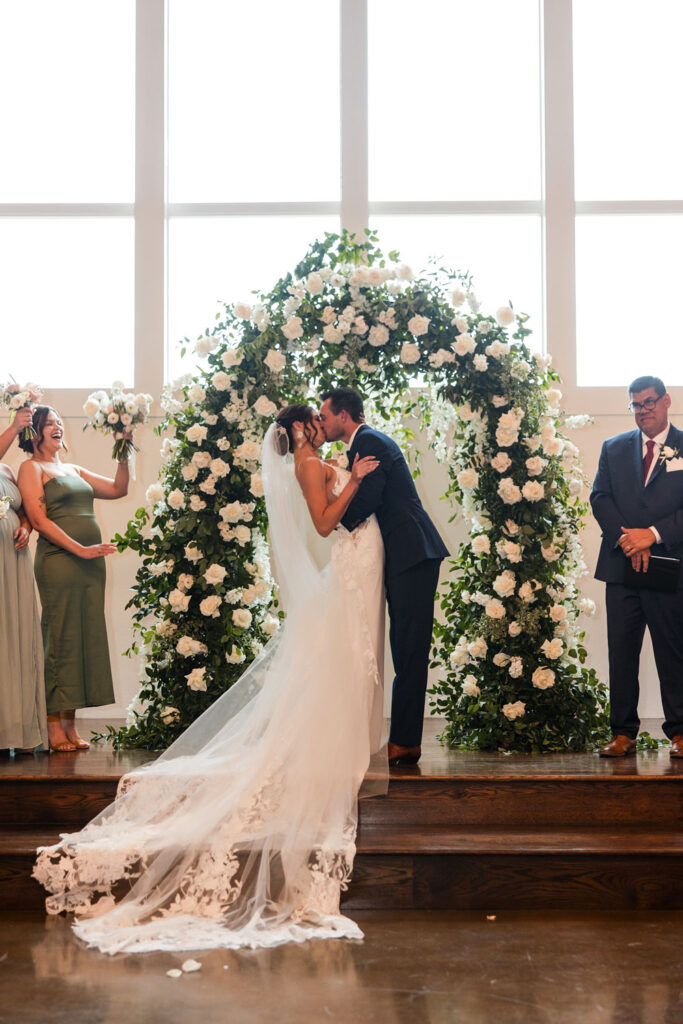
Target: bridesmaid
point(70, 571)
point(22, 698)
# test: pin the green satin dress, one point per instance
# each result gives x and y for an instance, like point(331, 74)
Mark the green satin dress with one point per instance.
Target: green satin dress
point(77, 667)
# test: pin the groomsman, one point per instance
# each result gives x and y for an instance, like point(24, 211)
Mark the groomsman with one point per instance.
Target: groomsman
point(637, 499)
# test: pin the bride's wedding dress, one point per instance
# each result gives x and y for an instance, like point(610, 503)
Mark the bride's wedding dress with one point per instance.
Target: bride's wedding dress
point(243, 832)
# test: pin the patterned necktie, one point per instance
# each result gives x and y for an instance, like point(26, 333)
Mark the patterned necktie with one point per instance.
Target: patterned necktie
point(649, 456)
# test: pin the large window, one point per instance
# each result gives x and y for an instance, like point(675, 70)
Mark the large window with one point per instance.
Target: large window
point(66, 191)
point(163, 156)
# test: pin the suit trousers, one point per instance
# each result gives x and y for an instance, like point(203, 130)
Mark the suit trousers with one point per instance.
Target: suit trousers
point(629, 611)
point(410, 598)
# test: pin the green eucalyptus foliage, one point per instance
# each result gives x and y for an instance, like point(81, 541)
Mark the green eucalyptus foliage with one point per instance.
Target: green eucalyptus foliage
point(203, 604)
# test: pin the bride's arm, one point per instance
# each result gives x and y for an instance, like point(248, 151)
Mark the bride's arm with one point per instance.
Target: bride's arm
point(312, 480)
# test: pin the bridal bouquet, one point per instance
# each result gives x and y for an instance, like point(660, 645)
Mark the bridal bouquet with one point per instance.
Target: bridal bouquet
point(4, 507)
point(117, 413)
point(16, 397)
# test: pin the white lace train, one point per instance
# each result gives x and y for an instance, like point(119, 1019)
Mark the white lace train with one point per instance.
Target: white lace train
point(243, 833)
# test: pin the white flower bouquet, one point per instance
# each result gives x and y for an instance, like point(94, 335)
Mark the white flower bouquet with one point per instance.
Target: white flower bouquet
point(118, 413)
point(16, 397)
point(4, 507)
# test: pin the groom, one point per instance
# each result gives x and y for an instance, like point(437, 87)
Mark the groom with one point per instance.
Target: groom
point(413, 553)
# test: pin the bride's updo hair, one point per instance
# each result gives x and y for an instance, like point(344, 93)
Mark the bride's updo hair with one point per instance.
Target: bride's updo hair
point(289, 415)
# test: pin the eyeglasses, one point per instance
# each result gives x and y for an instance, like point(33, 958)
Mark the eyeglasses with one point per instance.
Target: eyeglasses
point(646, 406)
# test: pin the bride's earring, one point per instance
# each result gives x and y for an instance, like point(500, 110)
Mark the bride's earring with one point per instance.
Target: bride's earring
point(299, 438)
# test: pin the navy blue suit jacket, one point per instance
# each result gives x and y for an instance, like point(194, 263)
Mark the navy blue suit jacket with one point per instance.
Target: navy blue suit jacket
point(408, 533)
point(620, 498)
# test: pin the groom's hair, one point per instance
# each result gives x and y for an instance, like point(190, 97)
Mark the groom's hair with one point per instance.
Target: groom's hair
point(345, 399)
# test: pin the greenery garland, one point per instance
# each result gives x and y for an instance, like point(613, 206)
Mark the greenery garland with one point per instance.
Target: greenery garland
point(510, 653)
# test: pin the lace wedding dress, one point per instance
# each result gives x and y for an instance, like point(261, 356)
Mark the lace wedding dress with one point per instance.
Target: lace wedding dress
point(243, 832)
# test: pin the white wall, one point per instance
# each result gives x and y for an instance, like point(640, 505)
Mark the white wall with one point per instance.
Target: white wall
point(93, 451)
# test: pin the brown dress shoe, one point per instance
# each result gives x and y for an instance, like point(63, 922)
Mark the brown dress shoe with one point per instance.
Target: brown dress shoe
point(620, 746)
point(403, 755)
point(676, 746)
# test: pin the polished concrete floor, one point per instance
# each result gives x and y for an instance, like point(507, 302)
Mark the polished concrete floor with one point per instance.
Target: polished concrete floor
point(413, 968)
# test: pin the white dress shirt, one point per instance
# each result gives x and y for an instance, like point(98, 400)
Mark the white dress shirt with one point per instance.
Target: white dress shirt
point(353, 435)
point(659, 441)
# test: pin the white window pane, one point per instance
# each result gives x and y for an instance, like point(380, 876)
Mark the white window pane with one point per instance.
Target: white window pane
point(67, 120)
point(614, 343)
point(66, 318)
point(628, 83)
point(213, 260)
point(454, 99)
point(253, 100)
point(502, 253)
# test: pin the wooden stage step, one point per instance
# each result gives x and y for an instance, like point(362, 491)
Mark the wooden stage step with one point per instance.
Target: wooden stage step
point(460, 830)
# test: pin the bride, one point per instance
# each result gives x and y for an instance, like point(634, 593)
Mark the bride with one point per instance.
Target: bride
point(243, 832)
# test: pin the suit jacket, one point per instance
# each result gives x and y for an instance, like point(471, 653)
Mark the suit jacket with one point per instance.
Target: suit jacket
point(620, 498)
point(408, 533)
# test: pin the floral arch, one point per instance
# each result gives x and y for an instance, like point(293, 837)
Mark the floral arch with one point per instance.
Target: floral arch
point(508, 645)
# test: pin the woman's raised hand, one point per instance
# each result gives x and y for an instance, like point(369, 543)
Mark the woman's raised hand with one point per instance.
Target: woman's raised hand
point(362, 467)
point(97, 550)
point(22, 418)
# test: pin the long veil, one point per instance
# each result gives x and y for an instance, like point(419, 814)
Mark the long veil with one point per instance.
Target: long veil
point(243, 832)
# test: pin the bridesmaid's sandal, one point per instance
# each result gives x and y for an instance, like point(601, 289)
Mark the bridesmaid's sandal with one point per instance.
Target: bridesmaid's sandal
point(78, 742)
point(62, 748)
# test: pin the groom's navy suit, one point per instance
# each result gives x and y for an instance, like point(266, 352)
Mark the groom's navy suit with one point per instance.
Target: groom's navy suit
point(413, 553)
point(620, 498)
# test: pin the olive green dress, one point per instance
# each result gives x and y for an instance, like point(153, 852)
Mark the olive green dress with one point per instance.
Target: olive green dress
point(77, 668)
point(22, 690)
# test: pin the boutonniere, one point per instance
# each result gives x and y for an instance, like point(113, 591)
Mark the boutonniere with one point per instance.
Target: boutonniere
point(668, 453)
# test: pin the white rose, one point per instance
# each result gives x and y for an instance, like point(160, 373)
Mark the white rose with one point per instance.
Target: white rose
point(196, 434)
point(509, 491)
point(242, 535)
point(242, 618)
point(495, 609)
point(196, 503)
point(91, 407)
point(551, 552)
point(552, 649)
point(208, 486)
point(188, 647)
point(197, 393)
point(221, 381)
point(506, 436)
point(514, 629)
point(264, 407)
point(587, 606)
point(314, 284)
point(293, 329)
point(535, 465)
point(509, 550)
point(477, 648)
point(515, 710)
point(242, 310)
point(468, 478)
point(553, 446)
point(113, 417)
point(165, 628)
point(232, 512)
point(543, 678)
point(511, 527)
point(189, 472)
point(185, 581)
point(231, 357)
point(505, 316)
point(480, 363)
point(501, 659)
point(154, 493)
point(196, 680)
point(176, 499)
point(418, 325)
point(533, 490)
point(235, 657)
point(504, 584)
point(553, 397)
point(270, 625)
point(516, 668)
point(331, 335)
point(179, 601)
point(464, 344)
point(497, 349)
point(526, 592)
point(378, 336)
point(275, 361)
point(460, 323)
point(410, 353)
point(558, 613)
point(215, 574)
point(169, 715)
point(192, 553)
point(457, 297)
point(249, 451)
point(219, 467)
point(256, 486)
point(469, 686)
point(481, 545)
point(210, 605)
point(328, 315)
point(501, 462)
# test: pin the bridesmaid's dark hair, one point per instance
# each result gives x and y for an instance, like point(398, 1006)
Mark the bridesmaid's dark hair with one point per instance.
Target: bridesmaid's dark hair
point(40, 415)
point(296, 414)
